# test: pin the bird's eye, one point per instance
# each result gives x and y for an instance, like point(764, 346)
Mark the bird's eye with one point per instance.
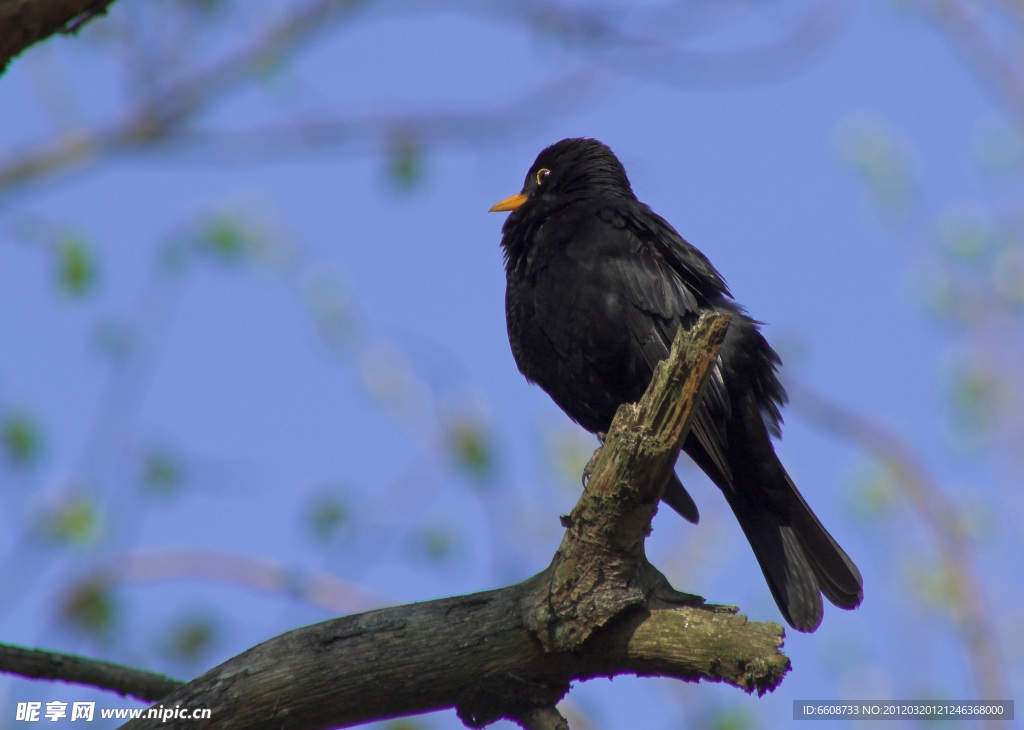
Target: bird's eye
point(541, 174)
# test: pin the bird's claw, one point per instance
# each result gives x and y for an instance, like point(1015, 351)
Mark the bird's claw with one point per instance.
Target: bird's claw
point(589, 468)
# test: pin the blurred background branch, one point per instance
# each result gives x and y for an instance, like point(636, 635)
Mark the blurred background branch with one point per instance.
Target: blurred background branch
point(942, 520)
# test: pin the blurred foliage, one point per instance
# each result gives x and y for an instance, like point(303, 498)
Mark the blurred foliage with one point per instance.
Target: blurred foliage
point(326, 515)
point(472, 449)
point(330, 305)
point(975, 271)
point(91, 608)
point(191, 639)
point(975, 394)
point(245, 230)
point(22, 440)
point(74, 520)
point(437, 542)
point(967, 232)
point(973, 280)
point(873, 492)
point(162, 473)
point(883, 159)
point(935, 586)
point(405, 161)
point(732, 719)
point(969, 276)
point(76, 266)
point(388, 375)
point(227, 239)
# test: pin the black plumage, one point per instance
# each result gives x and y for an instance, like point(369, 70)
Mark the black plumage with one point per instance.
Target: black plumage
point(597, 286)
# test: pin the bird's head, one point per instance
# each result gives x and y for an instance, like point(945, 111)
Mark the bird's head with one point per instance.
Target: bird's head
point(573, 168)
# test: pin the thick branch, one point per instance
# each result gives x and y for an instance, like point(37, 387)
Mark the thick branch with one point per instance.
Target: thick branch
point(82, 670)
point(25, 22)
point(471, 652)
point(599, 609)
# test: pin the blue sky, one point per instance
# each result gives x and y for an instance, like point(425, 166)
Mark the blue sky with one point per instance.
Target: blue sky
point(264, 415)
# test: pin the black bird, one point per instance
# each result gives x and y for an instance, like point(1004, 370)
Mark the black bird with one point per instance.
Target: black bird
point(597, 286)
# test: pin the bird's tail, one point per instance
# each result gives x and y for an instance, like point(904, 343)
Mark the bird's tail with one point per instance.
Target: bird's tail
point(798, 556)
point(676, 497)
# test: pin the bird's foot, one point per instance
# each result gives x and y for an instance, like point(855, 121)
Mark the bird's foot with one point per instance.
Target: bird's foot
point(589, 468)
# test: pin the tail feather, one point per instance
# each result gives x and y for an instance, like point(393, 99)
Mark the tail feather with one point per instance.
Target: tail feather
point(787, 570)
point(799, 558)
point(733, 445)
point(676, 497)
point(837, 576)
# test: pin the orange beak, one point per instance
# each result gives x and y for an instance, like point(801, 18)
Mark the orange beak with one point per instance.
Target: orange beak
point(510, 203)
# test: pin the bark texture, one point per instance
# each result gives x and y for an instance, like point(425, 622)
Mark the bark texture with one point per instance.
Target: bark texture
point(599, 609)
point(74, 669)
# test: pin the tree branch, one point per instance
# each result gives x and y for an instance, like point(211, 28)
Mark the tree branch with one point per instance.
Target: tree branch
point(998, 72)
point(25, 22)
point(224, 567)
point(155, 117)
point(599, 609)
point(124, 680)
point(941, 519)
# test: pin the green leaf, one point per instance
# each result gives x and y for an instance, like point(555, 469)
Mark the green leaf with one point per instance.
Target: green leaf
point(74, 521)
point(162, 473)
point(976, 393)
point(225, 239)
point(732, 719)
point(405, 161)
point(191, 639)
point(91, 608)
point(438, 542)
point(472, 449)
point(76, 266)
point(22, 441)
point(326, 515)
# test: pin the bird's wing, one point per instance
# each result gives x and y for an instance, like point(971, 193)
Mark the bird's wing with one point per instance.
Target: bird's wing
point(664, 276)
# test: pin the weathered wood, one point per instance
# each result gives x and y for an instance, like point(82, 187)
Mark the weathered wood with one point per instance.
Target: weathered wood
point(42, 664)
point(599, 609)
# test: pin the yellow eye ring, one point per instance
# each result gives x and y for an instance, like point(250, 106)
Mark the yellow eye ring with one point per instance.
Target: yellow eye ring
point(541, 174)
